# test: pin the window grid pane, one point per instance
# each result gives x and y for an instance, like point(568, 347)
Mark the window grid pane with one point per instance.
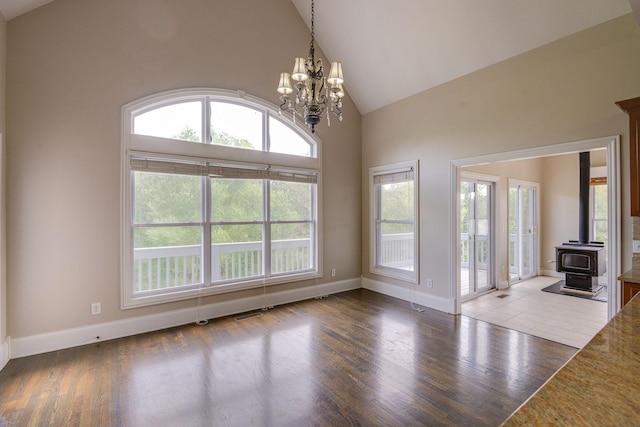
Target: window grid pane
point(290, 201)
point(166, 257)
point(285, 140)
point(291, 248)
point(236, 200)
point(161, 198)
point(236, 126)
point(396, 201)
point(182, 121)
point(236, 252)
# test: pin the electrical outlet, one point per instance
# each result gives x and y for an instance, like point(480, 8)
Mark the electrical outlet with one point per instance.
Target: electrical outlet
point(636, 246)
point(429, 283)
point(333, 272)
point(96, 308)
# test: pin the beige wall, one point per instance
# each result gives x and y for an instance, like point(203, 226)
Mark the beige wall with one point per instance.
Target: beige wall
point(565, 91)
point(71, 66)
point(560, 202)
point(3, 227)
point(560, 195)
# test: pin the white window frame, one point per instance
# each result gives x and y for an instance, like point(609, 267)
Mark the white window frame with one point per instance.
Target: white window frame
point(375, 222)
point(596, 172)
point(134, 145)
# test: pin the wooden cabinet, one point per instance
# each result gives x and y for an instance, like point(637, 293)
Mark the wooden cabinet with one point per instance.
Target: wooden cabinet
point(629, 289)
point(630, 285)
point(632, 108)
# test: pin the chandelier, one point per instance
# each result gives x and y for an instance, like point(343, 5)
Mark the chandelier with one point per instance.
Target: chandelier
point(315, 96)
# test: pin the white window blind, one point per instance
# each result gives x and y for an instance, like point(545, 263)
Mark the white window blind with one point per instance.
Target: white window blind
point(394, 177)
point(221, 171)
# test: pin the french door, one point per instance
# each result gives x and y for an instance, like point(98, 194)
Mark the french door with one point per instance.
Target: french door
point(522, 230)
point(476, 237)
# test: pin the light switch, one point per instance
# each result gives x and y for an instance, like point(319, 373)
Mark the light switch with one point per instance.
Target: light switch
point(636, 246)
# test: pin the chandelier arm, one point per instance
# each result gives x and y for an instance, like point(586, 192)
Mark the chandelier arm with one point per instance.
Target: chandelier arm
point(286, 103)
point(323, 99)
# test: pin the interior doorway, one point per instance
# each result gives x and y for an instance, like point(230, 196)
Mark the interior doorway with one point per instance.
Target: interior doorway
point(610, 146)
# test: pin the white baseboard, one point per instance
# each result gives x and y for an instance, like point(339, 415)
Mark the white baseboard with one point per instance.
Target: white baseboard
point(503, 285)
point(52, 341)
point(5, 352)
point(420, 298)
point(552, 273)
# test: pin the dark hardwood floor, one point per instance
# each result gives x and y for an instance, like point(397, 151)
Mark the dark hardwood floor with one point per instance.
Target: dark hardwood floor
point(355, 358)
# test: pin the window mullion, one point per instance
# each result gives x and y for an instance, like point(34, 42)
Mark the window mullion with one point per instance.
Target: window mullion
point(129, 284)
point(206, 231)
point(206, 120)
point(266, 228)
point(397, 221)
point(266, 137)
point(378, 241)
point(314, 231)
point(266, 208)
point(166, 224)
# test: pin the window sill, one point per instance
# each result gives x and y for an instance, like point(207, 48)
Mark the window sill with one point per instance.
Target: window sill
point(216, 289)
point(403, 275)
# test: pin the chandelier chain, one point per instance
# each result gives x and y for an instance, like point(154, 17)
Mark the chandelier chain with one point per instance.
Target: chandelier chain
point(312, 49)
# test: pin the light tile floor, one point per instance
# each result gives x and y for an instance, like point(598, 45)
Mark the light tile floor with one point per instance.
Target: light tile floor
point(560, 318)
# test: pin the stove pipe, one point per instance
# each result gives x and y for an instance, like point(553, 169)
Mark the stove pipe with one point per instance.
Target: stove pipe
point(583, 208)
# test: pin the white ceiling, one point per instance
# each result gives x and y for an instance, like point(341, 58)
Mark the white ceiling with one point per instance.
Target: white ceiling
point(12, 8)
point(392, 49)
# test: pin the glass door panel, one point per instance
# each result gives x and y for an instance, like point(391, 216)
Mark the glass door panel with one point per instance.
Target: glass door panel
point(482, 240)
point(527, 228)
point(476, 232)
point(465, 250)
point(522, 231)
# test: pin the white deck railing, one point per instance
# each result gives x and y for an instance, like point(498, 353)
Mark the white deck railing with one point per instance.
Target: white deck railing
point(482, 251)
point(174, 266)
point(166, 267)
point(397, 251)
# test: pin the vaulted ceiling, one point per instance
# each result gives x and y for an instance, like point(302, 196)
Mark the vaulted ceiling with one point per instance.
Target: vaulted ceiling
point(391, 50)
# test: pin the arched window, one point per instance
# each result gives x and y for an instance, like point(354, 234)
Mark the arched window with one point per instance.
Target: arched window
point(220, 193)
